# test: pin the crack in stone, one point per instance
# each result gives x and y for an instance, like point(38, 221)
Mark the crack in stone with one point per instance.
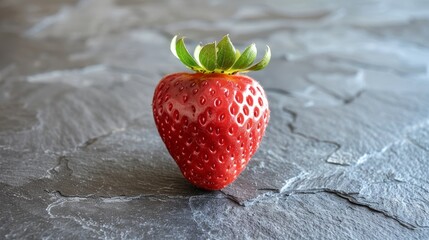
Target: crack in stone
point(93, 140)
point(233, 198)
point(335, 95)
point(324, 89)
point(60, 202)
point(385, 213)
point(269, 189)
point(349, 197)
point(293, 131)
point(117, 198)
point(337, 147)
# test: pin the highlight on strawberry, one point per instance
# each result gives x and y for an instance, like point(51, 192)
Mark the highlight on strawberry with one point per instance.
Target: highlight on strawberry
point(212, 121)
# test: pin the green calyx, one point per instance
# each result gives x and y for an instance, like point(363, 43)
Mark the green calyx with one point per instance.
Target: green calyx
point(221, 57)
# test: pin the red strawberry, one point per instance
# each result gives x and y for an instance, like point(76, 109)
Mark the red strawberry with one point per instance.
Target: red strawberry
point(212, 121)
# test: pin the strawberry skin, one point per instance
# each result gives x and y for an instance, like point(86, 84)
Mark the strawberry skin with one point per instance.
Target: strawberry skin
point(211, 124)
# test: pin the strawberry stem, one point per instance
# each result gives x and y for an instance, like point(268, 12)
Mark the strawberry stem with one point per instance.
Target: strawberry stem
point(219, 57)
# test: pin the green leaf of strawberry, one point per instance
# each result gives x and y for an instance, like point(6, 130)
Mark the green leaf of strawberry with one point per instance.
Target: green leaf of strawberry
point(225, 54)
point(180, 51)
point(246, 59)
point(212, 121)
point(208, 57)
point(219, 57)
point(263, 63)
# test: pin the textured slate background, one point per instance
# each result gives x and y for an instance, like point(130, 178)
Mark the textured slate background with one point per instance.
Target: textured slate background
point(346, 154)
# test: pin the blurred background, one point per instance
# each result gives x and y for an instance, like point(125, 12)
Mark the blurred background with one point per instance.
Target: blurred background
point(59, 34)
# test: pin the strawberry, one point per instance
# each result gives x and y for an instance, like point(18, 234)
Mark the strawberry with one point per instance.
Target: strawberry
point(212, 121)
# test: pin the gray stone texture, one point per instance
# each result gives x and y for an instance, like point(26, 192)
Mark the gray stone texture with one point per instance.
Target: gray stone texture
point(345, 156)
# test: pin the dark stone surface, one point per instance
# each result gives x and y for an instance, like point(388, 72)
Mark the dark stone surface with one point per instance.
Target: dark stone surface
point(345, 156)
